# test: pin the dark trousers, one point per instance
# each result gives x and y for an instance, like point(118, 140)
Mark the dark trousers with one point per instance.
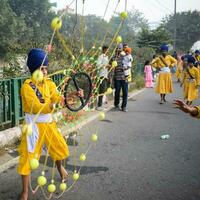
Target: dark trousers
point(121, 84)
point(102, 88)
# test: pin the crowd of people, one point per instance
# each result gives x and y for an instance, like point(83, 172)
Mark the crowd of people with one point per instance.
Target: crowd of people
point(158, 72)
point(118, 76)
point(185, 67)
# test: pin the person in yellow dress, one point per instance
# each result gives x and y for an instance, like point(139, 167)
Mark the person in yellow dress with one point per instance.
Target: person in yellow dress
point(164, 82)
point(191, 80)
point(38, 100)
point(179, 69)
point(197, 55)
point(192, 110)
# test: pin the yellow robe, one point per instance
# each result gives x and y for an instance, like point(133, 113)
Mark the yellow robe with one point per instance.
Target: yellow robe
point(198, 115)
point(190, 89)
point(179, 70)
point(48, 132)
point(164, 82)
point(197, 58)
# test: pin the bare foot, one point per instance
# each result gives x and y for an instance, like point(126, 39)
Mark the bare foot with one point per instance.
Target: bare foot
point(63, 174)
point(23, 196)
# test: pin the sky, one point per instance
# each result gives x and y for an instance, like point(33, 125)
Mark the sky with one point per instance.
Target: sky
point(153, 10)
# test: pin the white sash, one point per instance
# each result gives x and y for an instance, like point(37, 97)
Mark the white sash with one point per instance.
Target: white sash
point(164, 70)
point(33, 119)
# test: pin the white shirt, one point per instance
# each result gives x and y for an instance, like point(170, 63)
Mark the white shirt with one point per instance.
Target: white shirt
point(127, 61)
point(102, 63)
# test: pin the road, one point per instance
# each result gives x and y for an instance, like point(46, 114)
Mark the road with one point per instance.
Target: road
point(130, 161)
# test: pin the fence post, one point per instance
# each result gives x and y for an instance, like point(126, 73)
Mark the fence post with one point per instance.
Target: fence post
point(15, 102)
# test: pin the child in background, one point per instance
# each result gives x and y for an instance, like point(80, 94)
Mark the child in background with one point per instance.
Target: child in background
point(127, 62)
point(148, 75)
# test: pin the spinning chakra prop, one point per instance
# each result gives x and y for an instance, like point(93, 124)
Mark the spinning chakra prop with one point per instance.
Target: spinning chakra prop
point(81, 75)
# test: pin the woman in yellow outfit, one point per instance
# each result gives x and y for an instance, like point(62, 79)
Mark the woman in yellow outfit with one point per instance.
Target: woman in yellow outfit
point(164, 82)
point(37, 101)
point(197, 55)
point(179, 69)
point(197, 60)
point(190, 81)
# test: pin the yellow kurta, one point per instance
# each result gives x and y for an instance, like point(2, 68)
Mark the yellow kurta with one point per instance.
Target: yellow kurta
point(179, 70)
point(197, 58)
point(164, 82)
point(190, 86)
point(198, 115)
point(48, 132)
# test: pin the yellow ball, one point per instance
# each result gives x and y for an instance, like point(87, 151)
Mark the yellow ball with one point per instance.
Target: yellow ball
point(114, 63)
point(63, 186)
point(41, 180)
point(82, 157)
point(124, 15)
point(56, 23)
point(51, 188)
point(34, 164)
point(75, 176)
point(101, 115)
point(109, 90)
point(94, 137)
point(37, 76)
point(119, 39)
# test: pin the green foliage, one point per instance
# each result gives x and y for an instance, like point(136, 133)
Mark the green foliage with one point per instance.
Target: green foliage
point(188, 25)
point(139, 81)
point(11, 28)
point(37, 17)
point(134, 23)
point(154, 38)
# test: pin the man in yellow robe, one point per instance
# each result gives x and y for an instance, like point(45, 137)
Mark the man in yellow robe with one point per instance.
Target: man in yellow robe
point(197, 55)
point(191, 81)
point(38, 99)
point(164, 62)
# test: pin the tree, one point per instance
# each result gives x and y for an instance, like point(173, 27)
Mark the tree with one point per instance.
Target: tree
point(11, 28)
point(153, 38)
point(131, 26)
point(188, 25)
point(37, 17)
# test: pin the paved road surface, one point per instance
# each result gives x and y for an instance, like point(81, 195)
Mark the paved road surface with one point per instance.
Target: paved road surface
point(130, 161)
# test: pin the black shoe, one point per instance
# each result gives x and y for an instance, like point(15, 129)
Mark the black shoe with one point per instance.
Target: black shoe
point(124, 109)
point(116, 108)
point(161, 102)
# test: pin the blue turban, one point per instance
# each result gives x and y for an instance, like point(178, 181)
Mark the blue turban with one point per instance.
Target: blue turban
point(164, 47)
point(35, 59)
point(190, 59)
point(197, 52)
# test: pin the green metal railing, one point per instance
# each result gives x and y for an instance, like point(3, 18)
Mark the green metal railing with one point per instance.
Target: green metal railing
point(10, 101)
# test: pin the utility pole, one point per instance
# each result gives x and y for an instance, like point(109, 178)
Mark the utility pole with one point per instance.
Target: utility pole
point(175, 25)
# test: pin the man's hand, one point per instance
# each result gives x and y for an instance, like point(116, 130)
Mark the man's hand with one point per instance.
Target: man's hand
point(62, 103)
point(184, 107)
point(80, 93)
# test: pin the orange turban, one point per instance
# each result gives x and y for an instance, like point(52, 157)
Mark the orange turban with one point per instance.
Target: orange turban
point(128, 50)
